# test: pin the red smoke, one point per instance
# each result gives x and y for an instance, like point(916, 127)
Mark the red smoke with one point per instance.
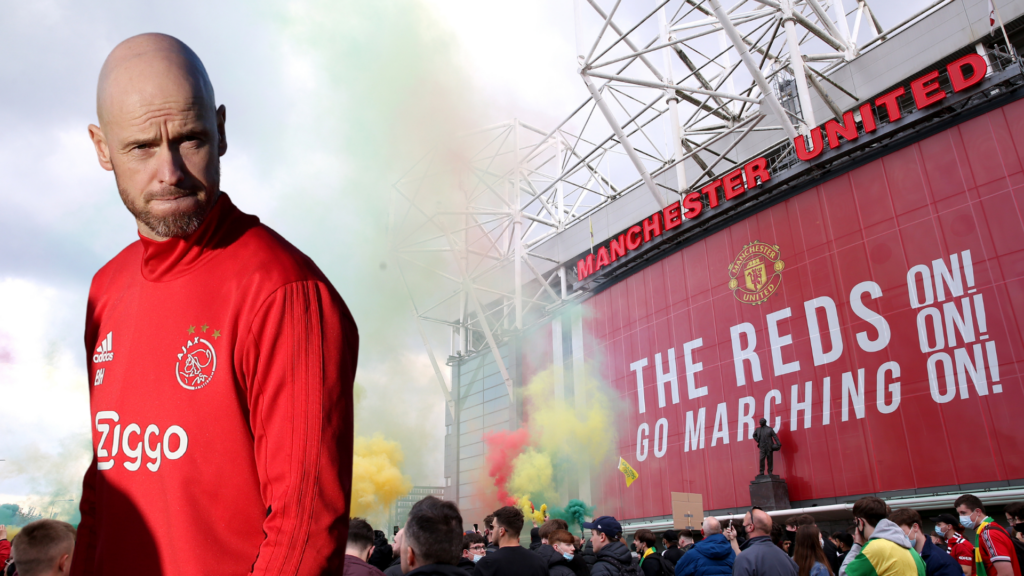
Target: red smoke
point(502, 449)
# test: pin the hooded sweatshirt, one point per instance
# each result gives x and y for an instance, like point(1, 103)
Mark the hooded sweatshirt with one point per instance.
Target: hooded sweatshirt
point(887, 553)
point(712, 555)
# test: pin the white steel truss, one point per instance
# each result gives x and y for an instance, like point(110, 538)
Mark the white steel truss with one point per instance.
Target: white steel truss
point(677, 89)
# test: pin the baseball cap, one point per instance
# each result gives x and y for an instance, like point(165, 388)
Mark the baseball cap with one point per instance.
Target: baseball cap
point(606, 525)
point(945, 518)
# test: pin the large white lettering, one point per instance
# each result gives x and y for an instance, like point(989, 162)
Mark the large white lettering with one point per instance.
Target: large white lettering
point(777, 341)
point(742, 354)
point(835, 335)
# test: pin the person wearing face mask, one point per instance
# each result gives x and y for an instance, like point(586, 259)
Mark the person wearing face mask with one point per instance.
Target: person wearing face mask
point(358, 549)
point(936, 561)
point(880, 548)
point(1015, 518)
point(950, 529)
point(995, 554)
point(559, 553)
point(474, 547)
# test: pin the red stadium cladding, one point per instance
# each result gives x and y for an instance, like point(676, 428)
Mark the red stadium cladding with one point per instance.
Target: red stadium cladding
point(888, 354)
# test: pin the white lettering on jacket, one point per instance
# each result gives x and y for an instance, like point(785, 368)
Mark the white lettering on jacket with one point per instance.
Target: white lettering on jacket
point(135, 443)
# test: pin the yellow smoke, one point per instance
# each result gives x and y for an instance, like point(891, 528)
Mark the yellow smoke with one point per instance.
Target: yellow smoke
point(562, 437)
point(377, 479)
point(565, 433)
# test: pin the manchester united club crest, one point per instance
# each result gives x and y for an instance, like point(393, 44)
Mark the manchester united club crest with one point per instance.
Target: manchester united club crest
point(197, 360)
point(756, 273)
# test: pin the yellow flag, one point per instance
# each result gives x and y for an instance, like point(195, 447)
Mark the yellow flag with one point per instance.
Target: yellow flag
point(627, 471)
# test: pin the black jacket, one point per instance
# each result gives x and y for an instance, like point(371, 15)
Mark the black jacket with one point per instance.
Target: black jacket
point(672, 554)
point(395, 569)
point(614, 559)
point(438, 570)
point(557, 564)
point(588, 555)
point(511, 561)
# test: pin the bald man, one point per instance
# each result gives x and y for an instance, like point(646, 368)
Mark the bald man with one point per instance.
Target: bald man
point(712, 556)
point(759, 556)
point(220, 358)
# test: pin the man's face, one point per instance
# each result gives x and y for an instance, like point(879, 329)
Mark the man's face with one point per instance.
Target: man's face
point(564, 548)
point(598, 540)
point(748, 523)
point(638, 545)
point(163, 139)
point(1011, 520)
point(912, 532)
point(475, 549)
point(975, 515)
point(943, 527)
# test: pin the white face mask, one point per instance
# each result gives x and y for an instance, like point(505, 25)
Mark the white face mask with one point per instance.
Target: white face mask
point(477, 557)
point(567, 556)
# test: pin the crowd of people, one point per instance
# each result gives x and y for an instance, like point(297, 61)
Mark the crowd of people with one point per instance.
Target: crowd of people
point(880, 542)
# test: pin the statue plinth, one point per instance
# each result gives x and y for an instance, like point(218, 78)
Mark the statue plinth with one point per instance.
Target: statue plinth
point(769, 492)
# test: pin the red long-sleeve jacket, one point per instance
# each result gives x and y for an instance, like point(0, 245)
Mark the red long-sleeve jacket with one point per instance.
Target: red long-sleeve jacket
point(221, 369)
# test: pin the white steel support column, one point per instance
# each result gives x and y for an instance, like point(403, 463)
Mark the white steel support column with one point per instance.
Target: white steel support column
point(626, 145)
point(796, 62)
point(752, 68)
point(675, 130)
point(579, 380)
point(560, 186)
point(844, 29)
point(517, 228)
point(558, 370)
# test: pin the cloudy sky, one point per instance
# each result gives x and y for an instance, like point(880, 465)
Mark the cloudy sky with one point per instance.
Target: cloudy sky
point(328, 101)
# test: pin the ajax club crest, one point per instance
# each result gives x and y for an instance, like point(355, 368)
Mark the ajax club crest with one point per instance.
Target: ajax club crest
point(756, 273)
point(196, 364)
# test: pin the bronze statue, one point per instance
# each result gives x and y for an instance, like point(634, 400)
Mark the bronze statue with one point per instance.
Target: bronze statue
point(768, 442)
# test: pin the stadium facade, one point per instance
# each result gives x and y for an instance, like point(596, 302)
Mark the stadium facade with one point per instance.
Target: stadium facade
point(860, 286)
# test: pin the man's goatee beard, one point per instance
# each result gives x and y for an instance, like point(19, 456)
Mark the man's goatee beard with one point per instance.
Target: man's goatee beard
point(177, 225)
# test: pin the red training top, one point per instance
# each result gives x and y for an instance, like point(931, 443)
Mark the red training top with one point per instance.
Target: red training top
point(221, 369)
point(962, 551)
point(996, 546)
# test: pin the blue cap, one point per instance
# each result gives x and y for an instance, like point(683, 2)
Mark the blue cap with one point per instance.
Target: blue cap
point(606, 525)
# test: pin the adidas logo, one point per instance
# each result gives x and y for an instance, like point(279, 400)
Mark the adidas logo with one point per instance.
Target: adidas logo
point(105, 352)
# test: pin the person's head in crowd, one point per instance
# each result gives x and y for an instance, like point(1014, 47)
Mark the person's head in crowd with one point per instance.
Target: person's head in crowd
point(867, 513)
point(488, 523)
point(711, 526)
point(474, 547)
point(603, 531)
point(938, 541)
point(44, 548)
point(396, 548)
point(549, 526)
point(360, 539)
point(1015, 518)
point(669, 539)
point(946, 525)
point(563, 542)
point(433, 534)
point(508, 525)
point(778, 536)
point(685, 537)
point(910, 522)
point(805, 520)
point(971, 510)
point(643, 539)
point(843, 540)
point(757, 523)
point(807, 549)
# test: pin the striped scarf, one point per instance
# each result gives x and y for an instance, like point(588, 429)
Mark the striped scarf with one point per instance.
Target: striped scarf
point(978, 562)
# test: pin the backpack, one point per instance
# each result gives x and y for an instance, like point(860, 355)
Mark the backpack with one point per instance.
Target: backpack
point(632, 570)
point(665, 568)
